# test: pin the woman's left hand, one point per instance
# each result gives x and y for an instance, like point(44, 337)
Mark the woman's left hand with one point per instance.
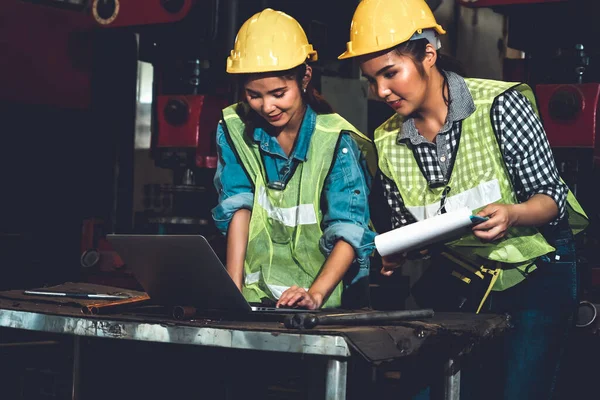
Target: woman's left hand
point(298, 297)
point(501, 217)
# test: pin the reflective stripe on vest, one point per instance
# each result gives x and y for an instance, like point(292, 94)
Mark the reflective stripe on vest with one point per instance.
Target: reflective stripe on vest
point(474, 198)
point(304, 214)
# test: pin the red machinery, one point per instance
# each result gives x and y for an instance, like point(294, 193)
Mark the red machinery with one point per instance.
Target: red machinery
point(186, 107)
point(189, 121)
point(571, 120)
point(180, 38)
point(121, 13)
point(27, 76)
point(570, 114)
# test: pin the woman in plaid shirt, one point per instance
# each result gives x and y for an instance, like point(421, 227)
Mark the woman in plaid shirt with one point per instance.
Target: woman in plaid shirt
point(475, 143)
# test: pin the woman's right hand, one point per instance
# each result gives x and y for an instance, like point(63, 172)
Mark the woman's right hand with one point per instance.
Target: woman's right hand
point(391, 262)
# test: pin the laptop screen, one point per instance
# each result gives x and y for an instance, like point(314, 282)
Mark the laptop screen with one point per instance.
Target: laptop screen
point(180, 270)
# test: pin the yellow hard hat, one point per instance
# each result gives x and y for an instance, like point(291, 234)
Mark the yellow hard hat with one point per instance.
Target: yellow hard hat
point(269, 41)
point(382, 24)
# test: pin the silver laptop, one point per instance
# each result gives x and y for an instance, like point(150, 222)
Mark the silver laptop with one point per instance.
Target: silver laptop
point(183, 270)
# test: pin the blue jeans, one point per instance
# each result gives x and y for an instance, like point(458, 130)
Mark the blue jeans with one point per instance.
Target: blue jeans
point(525, 364)
point(542, 311)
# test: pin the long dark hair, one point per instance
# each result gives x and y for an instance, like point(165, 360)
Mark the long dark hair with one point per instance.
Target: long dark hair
point(311, 96)
point(415, 49)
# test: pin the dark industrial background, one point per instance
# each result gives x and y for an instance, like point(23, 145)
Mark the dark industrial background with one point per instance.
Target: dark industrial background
point(69, 83)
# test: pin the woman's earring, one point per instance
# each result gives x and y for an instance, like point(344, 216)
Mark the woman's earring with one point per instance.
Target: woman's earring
point(304, 90)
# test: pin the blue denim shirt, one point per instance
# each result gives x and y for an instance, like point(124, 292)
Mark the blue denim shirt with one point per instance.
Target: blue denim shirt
point(345, 191)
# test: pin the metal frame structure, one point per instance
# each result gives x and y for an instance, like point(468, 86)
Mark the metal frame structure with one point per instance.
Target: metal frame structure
point(333, 347)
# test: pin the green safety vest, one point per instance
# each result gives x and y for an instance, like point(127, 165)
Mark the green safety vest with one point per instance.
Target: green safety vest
point(479, 177)
point(285, 226)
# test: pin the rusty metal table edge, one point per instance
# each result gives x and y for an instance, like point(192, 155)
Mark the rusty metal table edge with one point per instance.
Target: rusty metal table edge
point(301, 343)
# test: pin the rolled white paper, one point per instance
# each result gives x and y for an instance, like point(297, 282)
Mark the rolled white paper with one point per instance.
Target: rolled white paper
point(423, 233)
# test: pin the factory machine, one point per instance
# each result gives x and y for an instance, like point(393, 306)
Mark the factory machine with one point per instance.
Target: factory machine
point(97, 48)
point(183, 41)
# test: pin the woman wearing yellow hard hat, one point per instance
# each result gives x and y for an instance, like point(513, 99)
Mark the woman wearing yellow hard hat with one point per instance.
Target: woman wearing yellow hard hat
point(292, 177)
point(454, 143)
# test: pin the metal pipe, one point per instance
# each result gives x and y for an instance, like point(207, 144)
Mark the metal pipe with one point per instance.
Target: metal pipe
point(30, 344)
point(232, 23)
point(376, 316)
point(335, 380)
point(231, 31)
point(182, 312)
point(451, 380)
point(76, 392)
point(308, 320)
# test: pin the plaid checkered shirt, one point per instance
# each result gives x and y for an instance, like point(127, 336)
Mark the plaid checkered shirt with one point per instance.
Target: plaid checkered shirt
point(521, 137)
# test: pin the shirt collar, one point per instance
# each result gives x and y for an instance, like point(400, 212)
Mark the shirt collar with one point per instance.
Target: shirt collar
point(269, 143)
point(461, 106)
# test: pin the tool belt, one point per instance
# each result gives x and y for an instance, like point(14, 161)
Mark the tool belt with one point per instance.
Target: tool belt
point(454, 284)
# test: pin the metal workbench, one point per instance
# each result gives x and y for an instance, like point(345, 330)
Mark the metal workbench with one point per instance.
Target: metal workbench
point(454, 333)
